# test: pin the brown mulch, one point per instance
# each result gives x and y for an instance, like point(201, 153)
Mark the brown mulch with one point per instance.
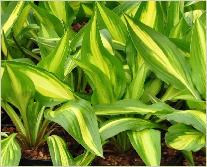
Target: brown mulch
point(77, 26)
point(131, 158)
point(41, 153)
point(170, 157)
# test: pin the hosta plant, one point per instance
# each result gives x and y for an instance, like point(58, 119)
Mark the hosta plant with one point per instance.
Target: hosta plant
point(133, 73)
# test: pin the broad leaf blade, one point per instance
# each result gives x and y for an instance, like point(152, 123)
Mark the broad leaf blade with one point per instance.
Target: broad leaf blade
point(147, 144)
point(84, 159)
point(100, 60)
point(79, 120)
point(16, 88)
point(13, 17)
point(113, 23)
point(55, 61)
point(50, 89)
point(161, 55)
point(59, 152)
point(130, 106)
point(14, 118)
point(190, 117)
point(10, 151)
point(115, 126)
point(198, 56)
point(183, 137)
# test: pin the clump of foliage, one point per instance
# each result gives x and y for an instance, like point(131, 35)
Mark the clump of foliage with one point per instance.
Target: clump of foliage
point(121, 78)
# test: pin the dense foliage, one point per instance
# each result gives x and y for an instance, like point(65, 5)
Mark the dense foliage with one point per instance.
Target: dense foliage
point(134, 71)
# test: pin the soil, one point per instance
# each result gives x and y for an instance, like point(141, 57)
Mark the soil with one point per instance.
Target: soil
point(77, 26)
point(170, 157)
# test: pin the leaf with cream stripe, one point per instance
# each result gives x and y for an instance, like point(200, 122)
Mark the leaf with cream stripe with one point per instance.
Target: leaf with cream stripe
point(78, 119)
point(13, 16)
point(10, 151)
point(95, 58)
point(115, 126)
point(161, 55)
point(147, 144)
point(198, 56)
point(131, 106)
point(55, 61)
point(190, 117)
point(184, 137)
point(50, 89)
point(113, 23)
point(59, 152)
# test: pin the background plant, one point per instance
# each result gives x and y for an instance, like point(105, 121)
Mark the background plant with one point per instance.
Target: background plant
point(139, 61)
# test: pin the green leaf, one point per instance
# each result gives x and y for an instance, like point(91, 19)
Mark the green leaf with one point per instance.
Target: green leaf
point(183, 137)
point(79, 120)
point(190, 117)
point(102, 89)
point(191, 16)
point(130, 106)
point(147, 13)
point(99, 60)
point(5, 47)
point(174, 12)
point(147, 144)
point(12, 17)
point(62, 11)
point(59, 152)
point(84, 159)
point(195, 5)
point(50, 89)
point(180, 29)
point(115, 126)
point(152, 88)
point(14, 117)
point(189, 157)
point(198, 56)
point(21, 19)
point(55, 61)
point(35, 117)
point(175, 94)
point(161, 55)
point(129, 8)
point(197, 105)
point(136, 87)
point(150, 13)
point(113, 23)
point(10, 151)
point(16, 88)
point(50, 25)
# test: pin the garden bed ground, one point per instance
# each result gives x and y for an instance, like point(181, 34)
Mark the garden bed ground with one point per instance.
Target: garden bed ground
point(41, 157)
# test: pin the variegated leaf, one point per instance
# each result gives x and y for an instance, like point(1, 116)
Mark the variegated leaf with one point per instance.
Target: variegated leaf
point(115, 126)
point(161, 55)
point(198, 56)
point(50, 89)
point(113, 23)
point(10, 151)
point(16, 88)
point(147, 144)
point(189, 117)
point(55, 61)
point(99, 60)
point(7, 25)
point(84, 159)
point(59, 152)
point(14, 117)
point(130, 106)
point(184, 137)
point(79, 120)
